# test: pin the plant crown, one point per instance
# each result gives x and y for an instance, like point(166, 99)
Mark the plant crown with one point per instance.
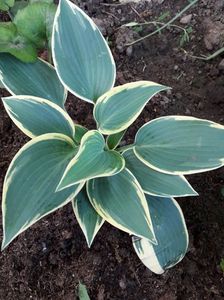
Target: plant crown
point(131, 187)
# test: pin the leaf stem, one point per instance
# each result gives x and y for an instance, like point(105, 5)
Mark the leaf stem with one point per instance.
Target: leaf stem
point(165, 25)
point(126, 147)
point(203, 57)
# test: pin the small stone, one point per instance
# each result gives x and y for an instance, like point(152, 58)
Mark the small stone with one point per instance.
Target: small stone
point(200, 105)
point(188, 112)
point(122, 284)
point(179, 96)
point(221, 65)
point(169, 92)
point(186, 19)
point(176, 67)
point(129, 51)
point(214, 32)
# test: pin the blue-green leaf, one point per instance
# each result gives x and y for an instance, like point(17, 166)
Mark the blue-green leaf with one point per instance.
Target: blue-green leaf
point(171, 234)
point(36, 116)
point(157, 183)
point(91, 161)
point(117, 109)
point(31, 180)
point(34, 79)
point(87, 217)
point(120, 200)
point(81, 56)
point(180, 145)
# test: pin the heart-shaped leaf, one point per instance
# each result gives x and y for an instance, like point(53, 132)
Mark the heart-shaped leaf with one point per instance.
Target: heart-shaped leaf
point(87, 217)
point(120, 200)
point(34, 79)
point(31, 180)
point(81, 55)
point(36, 116)
point(171, 234)
point(157, 183)
point(180, 145)
point(91, 161)
point(117, 109)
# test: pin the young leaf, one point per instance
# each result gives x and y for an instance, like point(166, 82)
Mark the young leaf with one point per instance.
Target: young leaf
point(83, 294)
point(36, 116)
point(114, 140)
point(30, 183)
point(91, 161)
point(79, 132)
point(17, 6)
point(82, 57)
point(157, 183)
point(120, 200)
point(31, 22)
point(180, 145)
point(171, 234)
point(6, 4)
point(36, 79)
point(88, 219)
point(117, 109)
point(15, 44)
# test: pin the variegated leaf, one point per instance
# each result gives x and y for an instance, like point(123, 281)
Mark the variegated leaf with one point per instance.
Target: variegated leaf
point(157, 183)
point(180, 145)
point(117, 109)
point(171, 234)
point(81, 56)
point(36, 116)
point(34, 79)
point(91, 161)
point(120, 200)
point(87, 217)
point(31, 180)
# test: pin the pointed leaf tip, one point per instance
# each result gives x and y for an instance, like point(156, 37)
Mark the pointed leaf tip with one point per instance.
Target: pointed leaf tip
point(87, 72)
point(91, 161)
point(171, 233)
point(120, 200)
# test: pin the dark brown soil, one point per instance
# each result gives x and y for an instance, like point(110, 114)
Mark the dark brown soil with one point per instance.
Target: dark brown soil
point(49, 259)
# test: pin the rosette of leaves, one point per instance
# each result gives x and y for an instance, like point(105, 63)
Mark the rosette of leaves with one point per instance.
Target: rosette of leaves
point(131, 187)
point(29, 31)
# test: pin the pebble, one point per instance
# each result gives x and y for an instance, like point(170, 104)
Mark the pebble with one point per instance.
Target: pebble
point(221, 65)
point(122, 284)
point(186, 19)
point(188, 112)
point(129, 51)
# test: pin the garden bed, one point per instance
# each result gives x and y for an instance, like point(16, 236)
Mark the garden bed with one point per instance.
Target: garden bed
point(48, 260)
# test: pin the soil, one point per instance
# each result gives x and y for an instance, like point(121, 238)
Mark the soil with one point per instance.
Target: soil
point(49, 259)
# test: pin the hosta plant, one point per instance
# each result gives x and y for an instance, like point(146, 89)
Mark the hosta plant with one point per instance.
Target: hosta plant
point(29, 30)
point(131, 187)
